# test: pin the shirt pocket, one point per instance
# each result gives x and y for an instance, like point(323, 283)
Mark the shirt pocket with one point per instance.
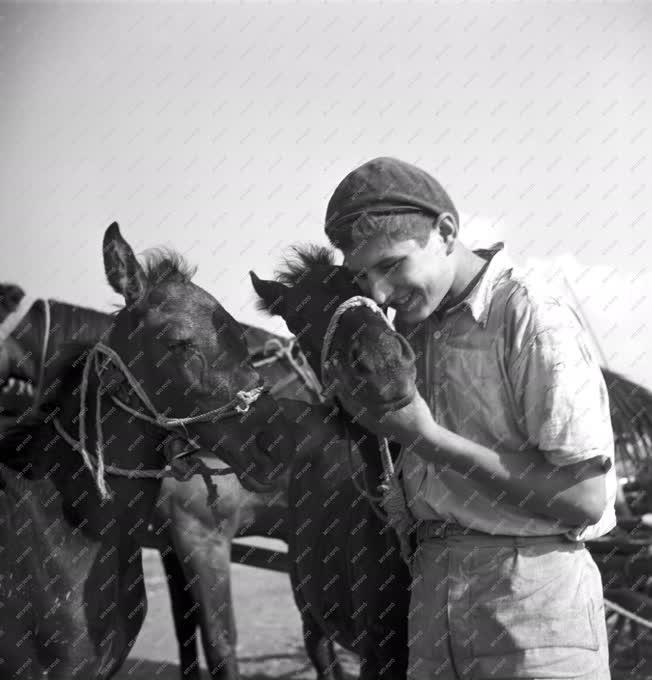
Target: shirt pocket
point(473, 397)
point(463, 363)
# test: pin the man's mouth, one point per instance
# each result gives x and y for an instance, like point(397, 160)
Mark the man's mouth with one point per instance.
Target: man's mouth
point(406, 302)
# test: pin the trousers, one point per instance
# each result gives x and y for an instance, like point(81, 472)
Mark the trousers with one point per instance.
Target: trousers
point(500, 607)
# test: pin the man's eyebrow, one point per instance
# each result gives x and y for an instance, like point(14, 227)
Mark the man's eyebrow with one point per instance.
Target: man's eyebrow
point(388, 259)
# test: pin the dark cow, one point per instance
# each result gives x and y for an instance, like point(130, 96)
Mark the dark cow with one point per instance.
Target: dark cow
point(71, 581)
point(348, 578)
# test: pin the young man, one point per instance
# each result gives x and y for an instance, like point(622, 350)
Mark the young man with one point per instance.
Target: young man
point(509, 448)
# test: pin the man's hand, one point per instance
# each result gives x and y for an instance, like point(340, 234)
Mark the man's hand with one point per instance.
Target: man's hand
point(404, 426)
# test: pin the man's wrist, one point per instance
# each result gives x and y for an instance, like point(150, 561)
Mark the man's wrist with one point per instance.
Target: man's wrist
point(426, 442)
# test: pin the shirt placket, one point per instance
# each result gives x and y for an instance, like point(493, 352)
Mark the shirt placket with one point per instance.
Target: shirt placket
point(436, 351)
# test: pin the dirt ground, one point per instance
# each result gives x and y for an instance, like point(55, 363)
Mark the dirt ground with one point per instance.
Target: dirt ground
point(270, 644)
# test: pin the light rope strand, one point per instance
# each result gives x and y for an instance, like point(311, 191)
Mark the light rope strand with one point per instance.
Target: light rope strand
point(355, 301)
point(282, 351)
point(11, 321)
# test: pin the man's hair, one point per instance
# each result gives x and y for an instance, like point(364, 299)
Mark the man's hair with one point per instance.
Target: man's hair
point(398, 226)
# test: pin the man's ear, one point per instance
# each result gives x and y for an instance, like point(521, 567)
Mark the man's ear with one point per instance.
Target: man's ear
point(446, 226)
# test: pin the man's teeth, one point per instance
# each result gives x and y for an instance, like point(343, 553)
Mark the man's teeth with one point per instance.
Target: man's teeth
point(404, 300)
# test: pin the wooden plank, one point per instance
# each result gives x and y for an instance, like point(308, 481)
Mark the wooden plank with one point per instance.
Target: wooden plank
point(637, 603)
point(624, 565)
point(620, 544)
point(263, 558)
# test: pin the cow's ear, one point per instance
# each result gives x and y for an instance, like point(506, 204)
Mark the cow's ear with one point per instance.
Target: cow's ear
point(123, 271)
point(272, 295)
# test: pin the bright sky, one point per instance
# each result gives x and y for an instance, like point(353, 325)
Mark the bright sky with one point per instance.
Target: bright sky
point(222, 130)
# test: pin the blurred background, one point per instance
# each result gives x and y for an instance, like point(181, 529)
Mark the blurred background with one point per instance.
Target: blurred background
point(221, 130)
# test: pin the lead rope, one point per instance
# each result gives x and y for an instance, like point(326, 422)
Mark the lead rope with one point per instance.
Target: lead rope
point(393, 505)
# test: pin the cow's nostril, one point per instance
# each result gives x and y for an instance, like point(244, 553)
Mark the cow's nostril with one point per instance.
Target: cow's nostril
point(264, 443)
point(359, 359)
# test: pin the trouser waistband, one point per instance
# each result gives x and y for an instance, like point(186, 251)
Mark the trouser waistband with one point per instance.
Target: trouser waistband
point(435, 529)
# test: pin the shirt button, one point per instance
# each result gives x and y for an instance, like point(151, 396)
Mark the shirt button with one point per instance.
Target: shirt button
point(436, 335)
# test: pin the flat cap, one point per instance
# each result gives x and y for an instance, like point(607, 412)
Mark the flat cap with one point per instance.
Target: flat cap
point(385, 186)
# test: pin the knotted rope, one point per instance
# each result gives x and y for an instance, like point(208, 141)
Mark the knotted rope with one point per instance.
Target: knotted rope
point(391, 505)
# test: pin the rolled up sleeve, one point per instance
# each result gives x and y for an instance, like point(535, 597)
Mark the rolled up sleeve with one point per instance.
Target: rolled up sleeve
point(562, 396)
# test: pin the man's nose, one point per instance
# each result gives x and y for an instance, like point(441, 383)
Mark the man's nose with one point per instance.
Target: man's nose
point(380, 289)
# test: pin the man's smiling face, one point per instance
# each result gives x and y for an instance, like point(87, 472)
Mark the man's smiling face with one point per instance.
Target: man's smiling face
point(402, 273)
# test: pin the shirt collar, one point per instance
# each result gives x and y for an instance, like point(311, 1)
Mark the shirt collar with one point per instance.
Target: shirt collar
point(479, 298)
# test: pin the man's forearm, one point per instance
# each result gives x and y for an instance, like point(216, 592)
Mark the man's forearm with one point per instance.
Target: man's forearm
point(571, 494)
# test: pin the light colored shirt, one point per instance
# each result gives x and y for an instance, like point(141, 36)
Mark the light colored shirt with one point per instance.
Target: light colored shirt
point(509, 367)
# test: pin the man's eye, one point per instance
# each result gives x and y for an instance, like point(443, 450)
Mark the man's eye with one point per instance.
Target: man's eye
point(180, 345)
point(360, 277)
point(390, 266)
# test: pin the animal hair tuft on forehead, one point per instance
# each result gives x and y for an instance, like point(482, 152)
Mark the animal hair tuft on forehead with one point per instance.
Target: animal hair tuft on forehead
point(162, 265)
point(303, 260)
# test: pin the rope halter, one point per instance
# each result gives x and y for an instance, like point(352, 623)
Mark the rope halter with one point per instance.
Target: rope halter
point(351, 303)
point(95, 464)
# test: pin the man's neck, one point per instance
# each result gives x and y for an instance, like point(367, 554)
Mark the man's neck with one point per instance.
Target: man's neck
point(467, 266)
